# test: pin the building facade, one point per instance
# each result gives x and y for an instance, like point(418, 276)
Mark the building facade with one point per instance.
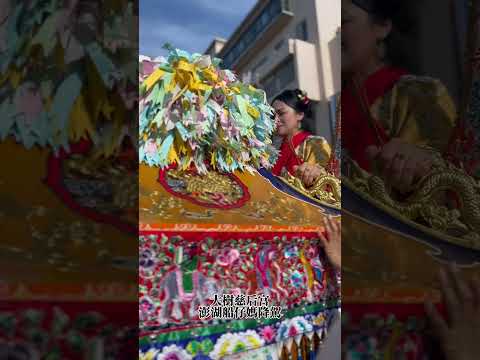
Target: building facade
point(287, 44)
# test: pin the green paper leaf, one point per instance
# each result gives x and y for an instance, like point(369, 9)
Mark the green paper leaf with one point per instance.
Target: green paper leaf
point(65, 97)
point(46, 35)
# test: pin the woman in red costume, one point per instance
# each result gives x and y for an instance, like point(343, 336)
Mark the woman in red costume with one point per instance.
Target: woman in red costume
point(301, 153)
point(387, 113)
point(394, 124)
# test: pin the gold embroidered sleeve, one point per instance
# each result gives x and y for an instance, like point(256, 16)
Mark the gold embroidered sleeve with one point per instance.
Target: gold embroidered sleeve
point(315, 150)
point(419, 111)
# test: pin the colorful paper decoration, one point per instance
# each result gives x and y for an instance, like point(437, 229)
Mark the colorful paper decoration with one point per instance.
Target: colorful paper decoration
point(68, 71)
point(193, 113)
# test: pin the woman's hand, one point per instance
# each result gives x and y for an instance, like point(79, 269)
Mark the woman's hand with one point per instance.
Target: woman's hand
point(459, 334)
point(332, 241)
point(400, 164)
point(308, 173)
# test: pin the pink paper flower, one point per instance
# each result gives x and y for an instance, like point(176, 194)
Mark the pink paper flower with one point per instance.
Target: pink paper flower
point(148, 68)
point(151, 147)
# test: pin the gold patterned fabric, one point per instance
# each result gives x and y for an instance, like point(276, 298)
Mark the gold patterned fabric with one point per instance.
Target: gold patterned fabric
point(314, 150)
point(418, 110)
point(267, 209)
point(47, 245)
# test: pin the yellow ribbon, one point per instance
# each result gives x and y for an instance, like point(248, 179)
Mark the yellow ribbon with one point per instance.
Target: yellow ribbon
point(213, 160)
point(80, 121)
point(153, 78)
point(187, 78)
point(15, 78)
point(308, 268)
point(253, 112)
point(4, 77)
point(173, 155)
point(210, 75)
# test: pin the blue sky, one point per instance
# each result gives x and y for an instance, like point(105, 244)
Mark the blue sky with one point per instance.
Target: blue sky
point(188, 24)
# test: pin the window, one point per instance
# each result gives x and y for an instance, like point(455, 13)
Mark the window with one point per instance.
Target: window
point(269, 86)
point(262, 62)
point(241, 46)
point(259, 64)
point(249, 36)
point(279, 45)
point(279, 79)
point(277, 6)
point(286, 74)
point(285, 5)
point(333, 102)
point(264, 20)
point(228, 60)
point(266, 17)
point(301, 31)
point(312, 124)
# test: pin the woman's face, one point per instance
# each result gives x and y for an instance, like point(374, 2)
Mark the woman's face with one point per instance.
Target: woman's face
point(287, 118)
point(360, 36)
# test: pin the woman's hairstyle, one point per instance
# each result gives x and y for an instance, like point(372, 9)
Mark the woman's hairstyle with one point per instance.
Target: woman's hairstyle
point(398, 44)
point(296, 99)
point(299, 101)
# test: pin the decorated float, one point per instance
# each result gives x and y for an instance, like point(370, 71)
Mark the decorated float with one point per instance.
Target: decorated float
point(68, 214)
point(215, 224)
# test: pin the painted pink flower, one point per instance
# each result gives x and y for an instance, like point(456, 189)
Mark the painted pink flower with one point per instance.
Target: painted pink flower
point(292, 331)
point(236, 291)
point(228, 257)
point(172, 356)
point(268, 333)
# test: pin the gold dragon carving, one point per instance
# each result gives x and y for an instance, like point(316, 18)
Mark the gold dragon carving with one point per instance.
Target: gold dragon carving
point(326, 189)
point(428, 203)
